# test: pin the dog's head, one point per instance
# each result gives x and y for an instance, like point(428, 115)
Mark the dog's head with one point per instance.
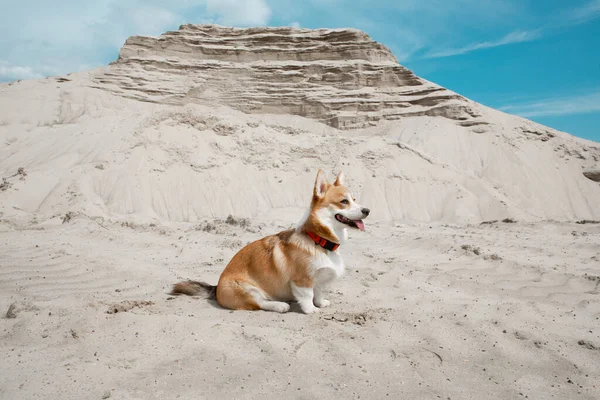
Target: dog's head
point(334, 204)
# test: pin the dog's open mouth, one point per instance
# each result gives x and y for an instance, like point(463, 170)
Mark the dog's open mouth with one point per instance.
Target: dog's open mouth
point(359, 224)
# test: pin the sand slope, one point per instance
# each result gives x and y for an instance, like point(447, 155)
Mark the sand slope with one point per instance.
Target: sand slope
point(86, 150)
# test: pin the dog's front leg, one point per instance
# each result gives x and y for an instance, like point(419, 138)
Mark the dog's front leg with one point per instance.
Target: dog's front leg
point(323, 277)
point(319, 301)
point(304, 296)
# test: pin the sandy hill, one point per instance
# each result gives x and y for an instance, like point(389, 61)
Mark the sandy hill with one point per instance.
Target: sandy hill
point(209, 121)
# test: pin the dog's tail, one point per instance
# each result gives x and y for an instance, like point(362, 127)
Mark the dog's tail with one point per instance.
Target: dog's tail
point(194, 288)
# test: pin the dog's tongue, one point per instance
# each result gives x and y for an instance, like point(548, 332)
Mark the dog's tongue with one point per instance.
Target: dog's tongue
point(360, 225)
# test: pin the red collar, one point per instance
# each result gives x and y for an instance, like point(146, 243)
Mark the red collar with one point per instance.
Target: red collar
point(324, 243)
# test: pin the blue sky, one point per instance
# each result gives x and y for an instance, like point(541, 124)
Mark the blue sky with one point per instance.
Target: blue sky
point(535, 58)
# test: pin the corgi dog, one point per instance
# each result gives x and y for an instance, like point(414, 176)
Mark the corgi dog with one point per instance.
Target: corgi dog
point(293, 265)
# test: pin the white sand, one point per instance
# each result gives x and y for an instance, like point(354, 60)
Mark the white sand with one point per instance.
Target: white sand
point(118, 200)
point(416, 316)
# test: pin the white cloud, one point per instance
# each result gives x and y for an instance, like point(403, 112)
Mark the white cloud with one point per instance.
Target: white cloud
point(412, 27)
point(128, 18)
point(15, 72)
point(513, 37)
point(38, 39)
point(239, 12)
point(295, 24)
point(585, 13)
point(152, 20)
point(579, 104)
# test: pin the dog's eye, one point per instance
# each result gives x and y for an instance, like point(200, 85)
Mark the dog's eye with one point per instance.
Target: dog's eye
point(345, 201)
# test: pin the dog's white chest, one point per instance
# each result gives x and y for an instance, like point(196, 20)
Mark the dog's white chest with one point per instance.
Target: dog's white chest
point(329, 264)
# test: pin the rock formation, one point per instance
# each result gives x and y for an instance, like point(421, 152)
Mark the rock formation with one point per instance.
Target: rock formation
point(340, 77)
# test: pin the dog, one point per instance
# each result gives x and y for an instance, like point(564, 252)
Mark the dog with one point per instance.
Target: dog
point(295, 264)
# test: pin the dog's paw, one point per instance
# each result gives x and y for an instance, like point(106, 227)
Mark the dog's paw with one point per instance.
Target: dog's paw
point(277, 306)
point(309, 309)
point(281, 308)
point(322, 303)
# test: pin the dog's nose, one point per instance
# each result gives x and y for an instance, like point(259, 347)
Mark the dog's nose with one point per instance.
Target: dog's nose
point(366, 211)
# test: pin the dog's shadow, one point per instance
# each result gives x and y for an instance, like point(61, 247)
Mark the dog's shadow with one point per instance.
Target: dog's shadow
point(294, 306)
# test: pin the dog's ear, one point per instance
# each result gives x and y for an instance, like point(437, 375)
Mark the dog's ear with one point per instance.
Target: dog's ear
point(321, 184)
point(339, 181)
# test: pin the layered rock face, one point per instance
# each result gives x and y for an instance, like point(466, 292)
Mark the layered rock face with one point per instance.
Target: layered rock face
point(339, 77)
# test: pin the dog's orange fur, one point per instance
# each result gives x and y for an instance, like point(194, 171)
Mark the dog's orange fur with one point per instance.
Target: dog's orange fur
point(269, 264)
point(272, 263)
